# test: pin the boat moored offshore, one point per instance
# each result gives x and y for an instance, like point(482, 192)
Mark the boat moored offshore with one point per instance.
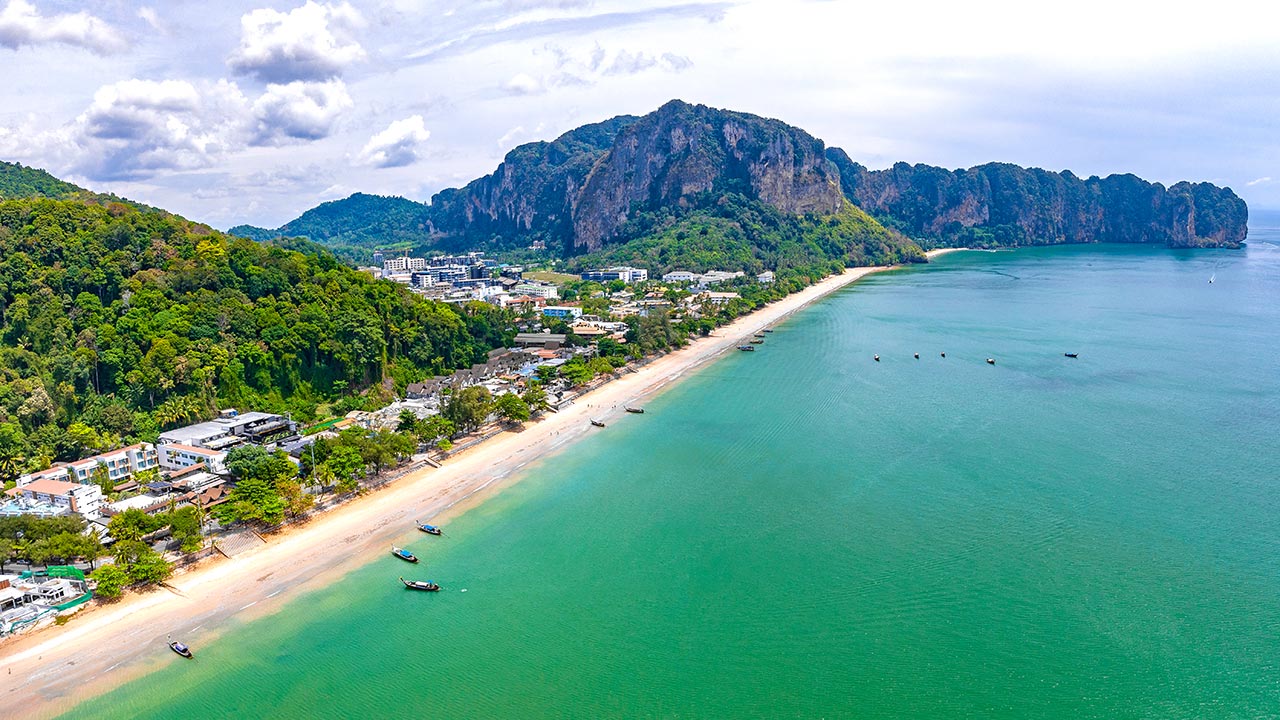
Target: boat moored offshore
point(430, 529)
point(404, 554)
point(424, 586)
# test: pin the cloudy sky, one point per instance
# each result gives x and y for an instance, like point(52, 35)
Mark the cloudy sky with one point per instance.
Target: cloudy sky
point(234, 111)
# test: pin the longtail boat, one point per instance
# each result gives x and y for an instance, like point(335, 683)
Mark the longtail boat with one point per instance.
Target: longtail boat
point(420, 585)
point(404, 554)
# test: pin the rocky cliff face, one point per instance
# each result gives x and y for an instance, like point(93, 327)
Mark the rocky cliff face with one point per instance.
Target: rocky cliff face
point(1000, 204)
point(532, 194)
point(582, 190)
point(683, 150)
point(574, 193)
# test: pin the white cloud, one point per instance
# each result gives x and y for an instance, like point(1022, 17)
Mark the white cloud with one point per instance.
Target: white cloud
point(150, 17)
point(1259, 181)
point(509, 137)
point(312, 42)
point(298, 111)
point(588, 67)
point(523, 84)
point(22, 24)
point(399, 145)
point(135, 127)
point(1167, 96)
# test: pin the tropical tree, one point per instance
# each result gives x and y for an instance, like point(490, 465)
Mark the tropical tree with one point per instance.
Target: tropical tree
point(576, 371)
point(92, 548)
point(599, 366)
point(535, 396)
point(546, 373)
point(408, 421)
point(434, 428)
point(345, 464)
point(469, 408)
point(253, 499)
point(100, 477)
point(511, 408)
point(110, 581)
point(132, 524)
point(185, 525)
point(296, 501)
point(149, 568)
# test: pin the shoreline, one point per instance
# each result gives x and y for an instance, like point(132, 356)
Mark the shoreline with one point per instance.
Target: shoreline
point(50, 672)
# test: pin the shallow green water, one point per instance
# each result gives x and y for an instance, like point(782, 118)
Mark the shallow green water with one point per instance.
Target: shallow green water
point(803, 532)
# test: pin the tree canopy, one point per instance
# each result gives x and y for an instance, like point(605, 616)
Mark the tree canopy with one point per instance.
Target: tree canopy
point(117, 322)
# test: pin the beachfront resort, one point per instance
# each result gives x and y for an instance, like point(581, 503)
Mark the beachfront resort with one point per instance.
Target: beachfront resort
point(166, 500)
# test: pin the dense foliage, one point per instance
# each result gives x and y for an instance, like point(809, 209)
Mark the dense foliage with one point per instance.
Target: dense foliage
point(354, 225)
point(42, 540)
point(732, 232)
point(17, 181)
point(118, 322)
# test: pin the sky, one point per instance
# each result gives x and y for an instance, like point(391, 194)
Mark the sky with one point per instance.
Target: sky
point(252, 112)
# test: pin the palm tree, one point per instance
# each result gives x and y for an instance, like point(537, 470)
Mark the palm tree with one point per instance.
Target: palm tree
point(93, 549)
point(166, 414)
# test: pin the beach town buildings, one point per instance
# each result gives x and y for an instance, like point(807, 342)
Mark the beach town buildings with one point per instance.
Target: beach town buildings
point(682, 276)
point(626, 274)
point(561, 311)
point(403, 264)
point(546, 291)
point(31, 599)
point(716, 298)
point(229, 429)
point(715, 277)
point(179, 456)
point(46, 497)
point(119, 465)
point(72, 487)
point(711, 277)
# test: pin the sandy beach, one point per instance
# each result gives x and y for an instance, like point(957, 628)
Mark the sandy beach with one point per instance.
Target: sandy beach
point(49, 671)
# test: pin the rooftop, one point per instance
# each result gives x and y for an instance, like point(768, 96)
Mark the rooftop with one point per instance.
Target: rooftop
point(193, 449)
point(48, 487)
point(138, 502)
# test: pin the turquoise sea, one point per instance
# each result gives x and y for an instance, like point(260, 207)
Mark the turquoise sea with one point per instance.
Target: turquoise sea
point(802, 532)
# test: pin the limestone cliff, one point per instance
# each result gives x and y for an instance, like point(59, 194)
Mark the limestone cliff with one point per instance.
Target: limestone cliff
point(1005, 205)
point(603, 183)
point(683, 150)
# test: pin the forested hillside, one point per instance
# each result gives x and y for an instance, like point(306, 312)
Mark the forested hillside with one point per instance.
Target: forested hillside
point(354, 226)
point(118, 322)
point(732, 232)
point(18, 181)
